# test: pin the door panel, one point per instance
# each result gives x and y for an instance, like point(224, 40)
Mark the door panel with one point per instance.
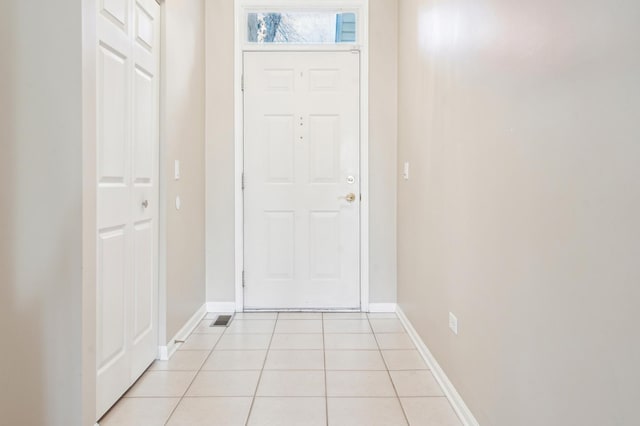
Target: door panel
point(113, 112)
point(144, 127)
point(127, 188)
point(113, 210)
point(145, 27)
point(301, 129)
point(112, 361)
point(324, 147)
point(143, 280)
point(118, 10)
point(112, 288)
point(280, 148)
point(324, 245)
point(145, 94)
point(280, 227)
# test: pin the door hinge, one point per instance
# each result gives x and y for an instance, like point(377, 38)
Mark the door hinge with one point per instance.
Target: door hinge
point(242, 181)
point(242, 82)
point(243, 281)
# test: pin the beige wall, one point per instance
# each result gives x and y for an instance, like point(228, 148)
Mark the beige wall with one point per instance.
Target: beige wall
point(383, 148)
point(521, 122)
point(41, 212)
point(220, 151)
point(182, 125)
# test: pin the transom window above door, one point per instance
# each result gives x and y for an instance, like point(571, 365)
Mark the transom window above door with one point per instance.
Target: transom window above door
point(301, 27)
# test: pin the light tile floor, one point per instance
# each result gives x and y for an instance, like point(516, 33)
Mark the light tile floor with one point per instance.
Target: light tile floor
point(289, 369)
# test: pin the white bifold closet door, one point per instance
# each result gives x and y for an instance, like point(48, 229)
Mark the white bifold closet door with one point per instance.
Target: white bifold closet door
point(128, 53)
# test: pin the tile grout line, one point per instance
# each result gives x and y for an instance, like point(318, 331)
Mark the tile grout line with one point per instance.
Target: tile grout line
point(197, 372)
point(264, 363)
point(406, 418)
point(294, 396)
point(324, 360)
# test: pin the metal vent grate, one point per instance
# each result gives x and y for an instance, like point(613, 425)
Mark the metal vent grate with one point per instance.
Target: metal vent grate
point(221, 321)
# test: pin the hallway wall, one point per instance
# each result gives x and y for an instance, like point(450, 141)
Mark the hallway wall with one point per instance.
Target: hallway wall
point(182, 130)
point(521, 121)
point(220, 150)
point(220, 246)
point(383, 149)
point(41, 150)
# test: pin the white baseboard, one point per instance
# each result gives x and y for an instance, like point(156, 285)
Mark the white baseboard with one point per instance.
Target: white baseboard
point(382, 307)
point(221, 307)
point(225, 307)
point(165, 352)
point(450, 392)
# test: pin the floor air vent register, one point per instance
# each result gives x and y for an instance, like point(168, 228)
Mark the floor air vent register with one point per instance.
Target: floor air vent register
point(221, 321)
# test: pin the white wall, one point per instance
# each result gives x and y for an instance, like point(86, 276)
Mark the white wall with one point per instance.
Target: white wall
point(220, 151)
point(521, 121)
point(41, 212)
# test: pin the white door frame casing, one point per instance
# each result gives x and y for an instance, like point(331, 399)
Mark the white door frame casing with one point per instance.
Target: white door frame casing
point(361, 8)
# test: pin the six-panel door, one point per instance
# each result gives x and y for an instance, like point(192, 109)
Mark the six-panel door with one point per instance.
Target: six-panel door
point(301, 153)
point(127, 188)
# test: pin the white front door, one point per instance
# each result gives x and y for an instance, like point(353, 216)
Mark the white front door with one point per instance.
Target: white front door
point(127, 187)
point(301, 180)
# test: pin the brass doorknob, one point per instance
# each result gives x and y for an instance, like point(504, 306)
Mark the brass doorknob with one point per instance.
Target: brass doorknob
point(351, 197)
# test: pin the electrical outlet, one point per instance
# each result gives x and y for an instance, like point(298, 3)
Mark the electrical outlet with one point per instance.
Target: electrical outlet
point(453, 323)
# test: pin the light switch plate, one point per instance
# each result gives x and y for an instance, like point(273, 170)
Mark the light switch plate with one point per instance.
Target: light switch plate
point(405, 171)
point(176, 169)
point(453, 323)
